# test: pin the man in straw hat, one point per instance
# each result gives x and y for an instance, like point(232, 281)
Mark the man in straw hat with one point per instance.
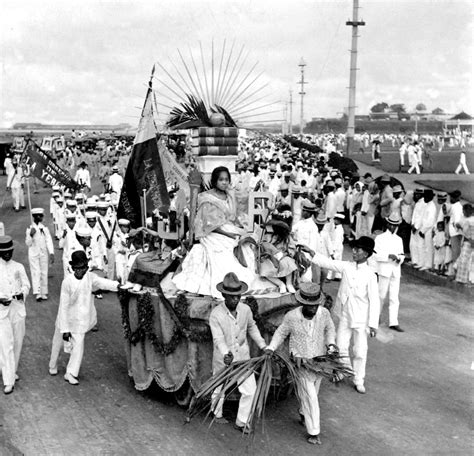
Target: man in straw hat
point(40, 253)
point(15, 286)
point(76, 313)
point(310, 329)
point(357, 304)
point(231, 322)
point(389, 256)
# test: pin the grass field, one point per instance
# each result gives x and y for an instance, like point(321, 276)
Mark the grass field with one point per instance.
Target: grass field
point(466, 187)
point(439, 162)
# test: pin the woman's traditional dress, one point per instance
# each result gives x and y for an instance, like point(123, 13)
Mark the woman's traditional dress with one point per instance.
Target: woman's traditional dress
point(209, 261)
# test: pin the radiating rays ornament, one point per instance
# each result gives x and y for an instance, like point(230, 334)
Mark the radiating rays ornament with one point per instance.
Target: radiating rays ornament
point(217, 88)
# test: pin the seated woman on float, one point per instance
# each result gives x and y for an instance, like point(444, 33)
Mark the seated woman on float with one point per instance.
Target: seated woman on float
point(213, 257)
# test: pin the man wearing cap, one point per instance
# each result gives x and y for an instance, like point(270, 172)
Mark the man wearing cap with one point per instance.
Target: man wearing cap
point(389, 256)
point(76, 313)
point(83, 177)
point(357, 304)
point(15, 180)
point(312, 334)
point(330, 202)
point(413, 158)
point(121, 249)
point(80, 239)
point(386, 196)
point(425, 230)
point(15, 286)
point(415, 240)
point(40, 253)
point(107, 223)
point(231, 322)
point(115, 181)
point(59, 219)
point(98, 253)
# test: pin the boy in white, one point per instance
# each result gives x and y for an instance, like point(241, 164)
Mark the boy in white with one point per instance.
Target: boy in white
point(40, 253)
point(76, 314)
point(357, 304)
point(121, 249)
point(389, 256)
point(337, 240)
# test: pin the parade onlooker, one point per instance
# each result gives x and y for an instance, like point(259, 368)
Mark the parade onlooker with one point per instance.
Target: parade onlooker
point(454, 228)
point(465, 270)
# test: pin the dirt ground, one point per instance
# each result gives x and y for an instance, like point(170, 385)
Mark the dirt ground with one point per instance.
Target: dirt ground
point(418, 401)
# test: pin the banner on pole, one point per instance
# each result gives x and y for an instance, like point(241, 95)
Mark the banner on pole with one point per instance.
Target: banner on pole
point(41, 165)
point(175, 175)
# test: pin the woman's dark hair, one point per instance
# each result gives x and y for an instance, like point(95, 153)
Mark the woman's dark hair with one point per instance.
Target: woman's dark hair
point(216, 172)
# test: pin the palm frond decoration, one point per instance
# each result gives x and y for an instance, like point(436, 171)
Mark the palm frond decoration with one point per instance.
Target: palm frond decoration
point(229, 121)
point(190, 114)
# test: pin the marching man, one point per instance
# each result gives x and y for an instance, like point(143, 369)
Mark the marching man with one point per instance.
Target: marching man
point(310, 329)
point(40, 253)
point(357, 304)
point(15, 286)
point(107, 223)
point(15, 181)
point(389, 256)
point(76, 314)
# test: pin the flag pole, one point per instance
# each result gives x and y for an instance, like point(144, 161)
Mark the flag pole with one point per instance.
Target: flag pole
point(29, 197)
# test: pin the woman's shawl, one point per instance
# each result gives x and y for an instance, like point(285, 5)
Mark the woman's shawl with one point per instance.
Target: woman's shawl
point(212, 213)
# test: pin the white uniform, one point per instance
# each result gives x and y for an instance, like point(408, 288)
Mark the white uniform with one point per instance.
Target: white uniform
point(357, 306)
point(73, 245)
point(415, 239)
point(389, 271)
point(108, 225)
point(121, 255)
point(462, 164)
point(116, 183)
point(98, 250)
point(40, 247)
point(14, 181)
point(77, 315)
point(13, 282)
point(428, 223)
point(337, 242)
point(413, 159)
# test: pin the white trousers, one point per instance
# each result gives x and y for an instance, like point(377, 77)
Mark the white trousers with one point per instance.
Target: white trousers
point(77, 352)
point(7, 353)
point(39, 273)
point(415, 243)
point(247, 390)
point(110, 269)
point(415, 167)
point(390, 286)
point(310, 383)
point(402, 159)
point(18, 197)
point(359, 347)
point(462, 166)
point(17, 321)
point(426, 250)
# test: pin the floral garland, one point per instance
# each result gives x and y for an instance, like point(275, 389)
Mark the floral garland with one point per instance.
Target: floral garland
point(124, 299)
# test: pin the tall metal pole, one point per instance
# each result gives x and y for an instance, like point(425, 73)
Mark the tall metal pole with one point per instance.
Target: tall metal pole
point(302, 64)
point(284, 124)
point(291, 113)
point(355, 23)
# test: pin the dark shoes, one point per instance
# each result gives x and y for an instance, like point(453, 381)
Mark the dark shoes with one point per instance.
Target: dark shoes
point(396, 328)
point(243, 429)
point(314, 440)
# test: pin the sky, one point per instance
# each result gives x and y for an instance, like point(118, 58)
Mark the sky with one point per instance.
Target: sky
point(90, 61)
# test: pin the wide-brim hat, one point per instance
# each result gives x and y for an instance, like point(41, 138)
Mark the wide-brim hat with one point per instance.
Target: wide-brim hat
point(231, 285)
point(365, 243)
point(7, 243)
point(309, 294)
point(309, 206)
point(79, 259)
point(321, 218)
point(280, 224)
point(397, 189)
point(385, 178)
point(296, 190)
point(393, 219)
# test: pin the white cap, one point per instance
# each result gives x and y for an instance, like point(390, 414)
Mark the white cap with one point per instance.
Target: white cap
point(124, 222)
point(84, 231)
point(91, 215)
point(102, 205)
point(71, 203)
point(37, 211)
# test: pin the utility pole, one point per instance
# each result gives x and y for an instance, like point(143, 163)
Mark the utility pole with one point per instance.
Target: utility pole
point(284, 125)
point(302, 64)
point(355, 24)
point(291, 112)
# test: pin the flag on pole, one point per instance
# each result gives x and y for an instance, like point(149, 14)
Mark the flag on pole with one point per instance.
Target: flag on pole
point(41, 165)
point(144, 170)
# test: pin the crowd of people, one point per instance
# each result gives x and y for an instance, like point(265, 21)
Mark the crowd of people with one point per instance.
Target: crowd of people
point(306, 210)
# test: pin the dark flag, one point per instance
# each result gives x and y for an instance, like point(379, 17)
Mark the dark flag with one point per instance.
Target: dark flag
point(41, 165)
point(144, 172)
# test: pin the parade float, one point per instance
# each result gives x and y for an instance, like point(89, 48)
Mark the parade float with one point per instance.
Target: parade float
point(167, 335)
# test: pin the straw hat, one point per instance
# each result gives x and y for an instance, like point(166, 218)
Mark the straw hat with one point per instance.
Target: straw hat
point(309, 294)
point(7, 243)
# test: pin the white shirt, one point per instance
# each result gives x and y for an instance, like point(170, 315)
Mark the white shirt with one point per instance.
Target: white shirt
point(76, 313)
point(358, 295)
point(41, 242)
point(455, 217)
point(115, 183)
point(387, 244)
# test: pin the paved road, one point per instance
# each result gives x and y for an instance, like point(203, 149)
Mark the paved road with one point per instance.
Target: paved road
point(418, 401)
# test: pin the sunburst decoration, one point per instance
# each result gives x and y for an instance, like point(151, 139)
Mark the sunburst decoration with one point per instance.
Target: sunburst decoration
point(196, 84)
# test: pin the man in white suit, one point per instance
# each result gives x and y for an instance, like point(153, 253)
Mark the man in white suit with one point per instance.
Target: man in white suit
point(389, 256)
point(357, 304)
point(40, 253)
point(14, 286)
